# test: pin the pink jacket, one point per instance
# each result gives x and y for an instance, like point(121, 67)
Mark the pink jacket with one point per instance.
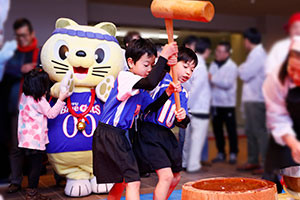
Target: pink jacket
point(32, 124)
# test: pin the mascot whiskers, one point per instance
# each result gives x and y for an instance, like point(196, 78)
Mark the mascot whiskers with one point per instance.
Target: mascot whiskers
point(84, 60)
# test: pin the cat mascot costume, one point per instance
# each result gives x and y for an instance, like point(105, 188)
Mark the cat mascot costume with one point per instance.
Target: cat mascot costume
point(84, 60)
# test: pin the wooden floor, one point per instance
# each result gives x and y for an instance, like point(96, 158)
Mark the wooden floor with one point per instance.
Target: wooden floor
point(47, 182)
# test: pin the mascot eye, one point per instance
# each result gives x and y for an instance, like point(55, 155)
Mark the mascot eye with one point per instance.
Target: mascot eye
point(102, 53)
point(99, 55)
point(63, 52)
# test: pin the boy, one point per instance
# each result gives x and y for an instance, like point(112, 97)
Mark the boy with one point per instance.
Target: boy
point(156, 143)
point(113, 157)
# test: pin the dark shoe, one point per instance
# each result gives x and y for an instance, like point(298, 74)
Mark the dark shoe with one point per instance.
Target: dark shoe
point(219, 158)
point(206, 163)
point(232, 158)
point(33, 194)
point(248, 167)
point(13, 188)
point(145, 175)
point(258, 171)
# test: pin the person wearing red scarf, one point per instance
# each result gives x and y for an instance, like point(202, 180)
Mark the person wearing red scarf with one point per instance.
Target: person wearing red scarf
point(280, 49)
point(23, 60)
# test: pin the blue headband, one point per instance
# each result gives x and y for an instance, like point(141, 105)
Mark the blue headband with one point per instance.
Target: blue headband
point(86, 34)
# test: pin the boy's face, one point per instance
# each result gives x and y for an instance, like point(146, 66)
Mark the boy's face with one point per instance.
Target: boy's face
point(143, 66)
point(184, 70)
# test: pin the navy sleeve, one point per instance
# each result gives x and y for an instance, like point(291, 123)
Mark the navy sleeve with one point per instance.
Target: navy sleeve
point(157, 104)
point(183, 123)
point(155, 76)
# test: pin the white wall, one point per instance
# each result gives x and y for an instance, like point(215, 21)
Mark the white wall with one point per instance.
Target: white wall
point(43, 14)
point(270, 26)
point(138, 16)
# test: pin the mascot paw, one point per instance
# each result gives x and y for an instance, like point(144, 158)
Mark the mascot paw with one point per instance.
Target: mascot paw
point(100, 188)
point(67, 83)
point(104, 87)
point(78, 188)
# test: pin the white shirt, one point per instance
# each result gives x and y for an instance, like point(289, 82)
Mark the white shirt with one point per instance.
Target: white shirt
point(199, 89)
point(223, 84)
point(278, 118)
point(253, 75)
point(277, 54)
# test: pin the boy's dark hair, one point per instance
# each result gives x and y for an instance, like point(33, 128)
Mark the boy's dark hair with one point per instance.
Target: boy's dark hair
point(36, 83)
point(202, 44)
point(22, 22)
point(253, 35)
point(129, 35)
point(187, 55)
point(137, 48)
point(189, 40)
point(226, 45)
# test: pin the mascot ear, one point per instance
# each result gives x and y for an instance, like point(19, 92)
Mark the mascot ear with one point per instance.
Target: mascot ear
point(107, 26)
point(64, 22)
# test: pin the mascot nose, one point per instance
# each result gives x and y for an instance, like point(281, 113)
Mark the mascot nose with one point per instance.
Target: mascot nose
point(80, 53)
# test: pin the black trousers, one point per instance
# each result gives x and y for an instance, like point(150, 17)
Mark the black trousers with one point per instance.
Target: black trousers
point(221, 116)
point(34, 159)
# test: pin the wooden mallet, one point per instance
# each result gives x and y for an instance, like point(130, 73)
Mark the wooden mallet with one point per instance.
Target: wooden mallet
point(191, 10)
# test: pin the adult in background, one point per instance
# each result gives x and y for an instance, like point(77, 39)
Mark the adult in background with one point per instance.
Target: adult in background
point(222, 76)
point(23, 60)
point(189, 42)
point(7, 50)
point(199, 100)
point(282, 95)
point(280, 49)
point(252, 73)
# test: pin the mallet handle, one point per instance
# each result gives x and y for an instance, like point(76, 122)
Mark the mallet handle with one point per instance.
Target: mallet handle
point(169, 28)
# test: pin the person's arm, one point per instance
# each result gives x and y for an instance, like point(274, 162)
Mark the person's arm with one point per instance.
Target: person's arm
point(294, 145)
point(278, 118)
point(183, 123)
point(161, 100)
point(225, 79)
point(51, 112)
point(155, 76)
point(157, 104)
point(182, 119)
point(251, 67)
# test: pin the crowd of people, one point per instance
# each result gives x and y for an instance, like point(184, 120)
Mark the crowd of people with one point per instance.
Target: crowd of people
point(269, 98)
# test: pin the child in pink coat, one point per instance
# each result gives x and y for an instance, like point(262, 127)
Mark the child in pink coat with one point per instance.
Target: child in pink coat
point(34, 110)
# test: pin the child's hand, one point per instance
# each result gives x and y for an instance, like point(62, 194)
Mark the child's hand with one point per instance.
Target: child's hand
point(63, 95)
point(169, 50)
point(180, 114)
point(173, 88)
point(172, 61)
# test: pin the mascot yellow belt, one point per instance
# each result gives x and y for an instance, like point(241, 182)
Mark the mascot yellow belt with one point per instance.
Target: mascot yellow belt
point(84, 60)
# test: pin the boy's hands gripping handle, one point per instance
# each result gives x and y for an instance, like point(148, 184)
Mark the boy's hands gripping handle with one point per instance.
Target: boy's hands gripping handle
point(169, 28)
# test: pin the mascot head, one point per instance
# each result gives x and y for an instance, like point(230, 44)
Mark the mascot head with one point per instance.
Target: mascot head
point(91, 53)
